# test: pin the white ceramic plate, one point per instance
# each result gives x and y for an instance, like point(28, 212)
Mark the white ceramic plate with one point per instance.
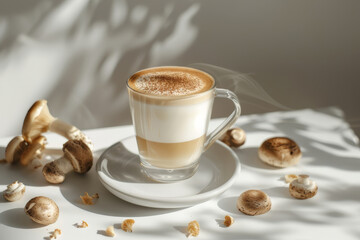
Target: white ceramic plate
point(120, 172)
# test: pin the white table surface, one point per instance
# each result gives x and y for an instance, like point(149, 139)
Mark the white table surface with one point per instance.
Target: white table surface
point(331, 156)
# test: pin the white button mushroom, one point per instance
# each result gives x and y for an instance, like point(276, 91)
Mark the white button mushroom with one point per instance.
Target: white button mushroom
point(77, 157)
point(303, 187)
point(254, 202)
point(14, 191)
point(42, 210)
point(38, 120)
point(279, 152)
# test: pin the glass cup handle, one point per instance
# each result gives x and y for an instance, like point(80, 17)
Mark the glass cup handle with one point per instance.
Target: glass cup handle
point(224, 126)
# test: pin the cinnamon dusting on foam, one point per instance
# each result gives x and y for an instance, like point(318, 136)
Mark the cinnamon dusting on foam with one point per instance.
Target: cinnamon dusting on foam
point(171, 81)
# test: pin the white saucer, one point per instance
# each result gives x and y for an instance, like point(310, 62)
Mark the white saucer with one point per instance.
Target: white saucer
point(120, 172)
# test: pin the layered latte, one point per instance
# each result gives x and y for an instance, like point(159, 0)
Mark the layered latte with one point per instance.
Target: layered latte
point(170, 108)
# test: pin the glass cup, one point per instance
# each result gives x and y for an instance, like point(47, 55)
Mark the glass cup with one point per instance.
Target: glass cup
point(171, 131)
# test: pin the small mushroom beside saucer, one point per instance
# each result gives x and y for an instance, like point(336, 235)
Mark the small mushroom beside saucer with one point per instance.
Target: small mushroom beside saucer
point(234, 137)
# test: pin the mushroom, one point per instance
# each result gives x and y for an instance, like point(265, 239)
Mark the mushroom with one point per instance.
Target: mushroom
point(42, 210)
point(234, 137)
point(77, 156)
point(19, 150)
point(279, 152)
point(14, 191)
point(303, 187)
point(38, 120)
point(254, 202)
point(14, 149)
point(34, 150)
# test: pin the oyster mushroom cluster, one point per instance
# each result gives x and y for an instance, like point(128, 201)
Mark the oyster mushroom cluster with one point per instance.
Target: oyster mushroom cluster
point(31, 144)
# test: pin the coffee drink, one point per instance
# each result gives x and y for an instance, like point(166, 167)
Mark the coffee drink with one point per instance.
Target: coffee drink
point(171, 81)
point(171, 109)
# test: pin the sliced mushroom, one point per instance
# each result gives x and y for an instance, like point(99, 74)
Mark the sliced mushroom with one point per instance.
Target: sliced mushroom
point(77, 157)
point(14, 191)
point(42, 210)
point(280, 152)
point(234, 137)
point(303, 187)
point(39, 120)
point(254, 202)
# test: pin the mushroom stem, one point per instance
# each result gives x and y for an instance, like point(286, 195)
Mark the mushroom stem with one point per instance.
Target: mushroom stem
point(64, 165)
point(304, 179)
point(77, 157)
point(55, 171)
point(69, 131)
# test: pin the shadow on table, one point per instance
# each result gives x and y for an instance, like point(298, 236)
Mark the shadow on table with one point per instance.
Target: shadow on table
point(16, 218)
point(107, 204)
point(321, 150)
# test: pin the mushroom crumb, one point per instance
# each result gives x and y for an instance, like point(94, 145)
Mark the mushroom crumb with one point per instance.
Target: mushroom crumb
point(87, 199)
point(127, 225)
point(193, 229)
point(290, 177)
point(55, 234)
point(83, 225)
point(228, 221)
point(110, 231)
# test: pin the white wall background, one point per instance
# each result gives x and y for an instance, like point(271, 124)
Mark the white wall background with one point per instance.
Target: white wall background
point(78, 54)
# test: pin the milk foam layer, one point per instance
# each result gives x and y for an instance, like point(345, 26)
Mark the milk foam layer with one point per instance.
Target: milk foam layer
point(171, 124)
point(171, 81)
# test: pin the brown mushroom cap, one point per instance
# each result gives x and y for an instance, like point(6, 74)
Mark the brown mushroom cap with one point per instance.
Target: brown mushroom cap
point(37, 120)
point(42, 210)
point(254, 202)
point(280, 152)
point(14, 149)
point(79, 154)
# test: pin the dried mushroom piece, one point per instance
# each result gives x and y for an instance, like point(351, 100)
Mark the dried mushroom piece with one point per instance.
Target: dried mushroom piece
point(55, 234)
point(228, 221)
point(193, 229)
point(127, 225)
point(110, 231)
point(87, 199)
